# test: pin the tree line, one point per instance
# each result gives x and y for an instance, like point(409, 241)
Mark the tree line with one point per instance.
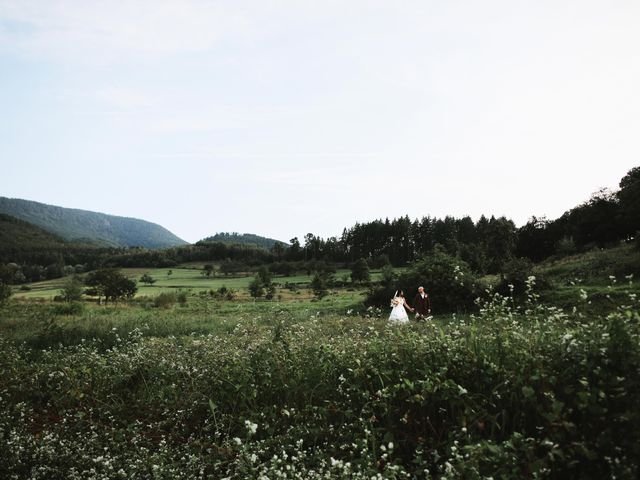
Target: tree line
point(486, 245)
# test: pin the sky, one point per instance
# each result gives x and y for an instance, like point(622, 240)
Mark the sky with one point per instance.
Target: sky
point(286, 117)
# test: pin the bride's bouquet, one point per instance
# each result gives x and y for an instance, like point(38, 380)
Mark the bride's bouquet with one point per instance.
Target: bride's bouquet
point(395, 301)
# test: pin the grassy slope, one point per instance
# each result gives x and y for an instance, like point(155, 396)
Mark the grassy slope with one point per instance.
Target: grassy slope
point(593, 267)
point(603, 275)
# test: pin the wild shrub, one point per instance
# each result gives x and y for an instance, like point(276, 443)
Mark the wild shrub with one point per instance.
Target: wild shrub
point(182, 296)
point(515, 278)
point(5, 292)
point(69, 308)
point(256, 287)
point(165, 300)
point(223, 293)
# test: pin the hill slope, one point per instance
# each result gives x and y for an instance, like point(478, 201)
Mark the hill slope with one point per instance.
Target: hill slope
point(75, 224)
point(593, 267)
point(18, 234)
point(242, 238)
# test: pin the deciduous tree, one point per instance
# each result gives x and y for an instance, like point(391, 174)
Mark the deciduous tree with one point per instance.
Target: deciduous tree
point(111, 284)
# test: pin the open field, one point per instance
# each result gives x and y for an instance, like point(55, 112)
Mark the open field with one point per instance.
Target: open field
point(181, 278)
point(42, 323)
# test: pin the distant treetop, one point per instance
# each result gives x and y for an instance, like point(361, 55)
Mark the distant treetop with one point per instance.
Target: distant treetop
point(241, 238)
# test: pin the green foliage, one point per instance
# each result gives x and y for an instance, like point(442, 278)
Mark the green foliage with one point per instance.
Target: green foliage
point(270, 292)
point(16, 234)
point(72, 290)
point(147, 279)
point(566, 246)
point(5, 293)
point(629, 198)
point(360, 271)
point(224, 293)
point(69, 308)
point(515, 276)
point(182, 296)
point(387, 276)
point(597, 221)
point(256, 287)
point(448, 280)
point(319, 284)
point(55, 270)
point(207, 270)
point(538, 238)
point(264, 275)
point(243, 239)
point(594, 267)
point(500, 240)
point(165, 300)
point(261, 285)
point(380, 261)
point(228, 267)
point(111, 284)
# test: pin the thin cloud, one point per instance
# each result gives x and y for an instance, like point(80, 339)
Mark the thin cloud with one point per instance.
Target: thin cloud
point(97, 32)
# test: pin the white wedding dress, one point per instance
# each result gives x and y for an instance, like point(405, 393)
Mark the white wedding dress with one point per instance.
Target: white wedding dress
point(398, 313)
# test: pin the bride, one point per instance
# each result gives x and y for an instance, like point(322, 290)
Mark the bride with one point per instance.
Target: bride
point(398, 313)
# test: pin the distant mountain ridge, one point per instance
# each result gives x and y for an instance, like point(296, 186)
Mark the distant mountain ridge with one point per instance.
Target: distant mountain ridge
point(87, 226)
point(242, 239)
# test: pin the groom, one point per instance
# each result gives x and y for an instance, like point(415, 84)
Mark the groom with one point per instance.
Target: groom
point(422, 304)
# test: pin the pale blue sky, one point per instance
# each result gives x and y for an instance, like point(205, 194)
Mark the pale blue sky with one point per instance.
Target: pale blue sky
point(287, 117)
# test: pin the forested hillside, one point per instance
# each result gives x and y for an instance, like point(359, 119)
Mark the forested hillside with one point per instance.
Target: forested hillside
point(100, 228)
point(16, 234)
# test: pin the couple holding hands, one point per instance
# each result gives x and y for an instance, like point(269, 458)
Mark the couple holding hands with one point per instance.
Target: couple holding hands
point(421, 302)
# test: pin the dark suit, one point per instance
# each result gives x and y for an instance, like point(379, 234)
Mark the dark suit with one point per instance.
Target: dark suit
point(422, 305)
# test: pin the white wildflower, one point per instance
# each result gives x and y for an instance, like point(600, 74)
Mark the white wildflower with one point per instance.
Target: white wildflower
point(251, 427)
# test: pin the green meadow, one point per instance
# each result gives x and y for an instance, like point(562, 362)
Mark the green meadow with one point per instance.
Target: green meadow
point(185, 278)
